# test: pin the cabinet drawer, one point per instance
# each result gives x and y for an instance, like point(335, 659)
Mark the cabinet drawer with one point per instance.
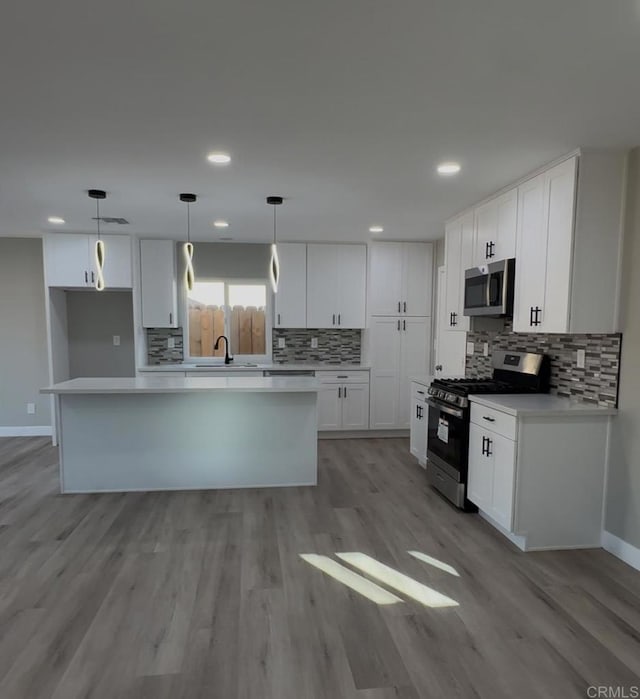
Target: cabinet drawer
point(494, 420)
point(418, 391)
point(342, 377)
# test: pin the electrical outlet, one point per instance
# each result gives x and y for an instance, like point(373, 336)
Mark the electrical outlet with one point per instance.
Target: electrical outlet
point(116, 340)
point(171, 343)
point(580, 358)
point(31, 408)
point(314, 343)
point(281, 343)
point(485, 349)
point(470, 348)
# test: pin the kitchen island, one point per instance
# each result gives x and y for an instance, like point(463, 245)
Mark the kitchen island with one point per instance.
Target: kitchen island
point(126, 434)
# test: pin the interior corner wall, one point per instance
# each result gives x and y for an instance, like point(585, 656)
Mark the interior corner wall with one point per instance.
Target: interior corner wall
point(23, 334)
point(622, 517)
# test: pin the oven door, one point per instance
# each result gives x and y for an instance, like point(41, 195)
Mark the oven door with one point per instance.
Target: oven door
point(448, 439)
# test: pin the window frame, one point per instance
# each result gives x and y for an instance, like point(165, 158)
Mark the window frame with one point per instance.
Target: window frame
point(268, 322)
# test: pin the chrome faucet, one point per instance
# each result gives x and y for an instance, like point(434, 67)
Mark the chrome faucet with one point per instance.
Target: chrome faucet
point(227, 358)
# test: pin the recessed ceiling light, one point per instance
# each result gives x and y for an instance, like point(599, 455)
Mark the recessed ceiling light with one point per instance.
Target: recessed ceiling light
point(221, 224)
point(219, 158)
point(448, 168)
point(376, 229)
point(55, 219)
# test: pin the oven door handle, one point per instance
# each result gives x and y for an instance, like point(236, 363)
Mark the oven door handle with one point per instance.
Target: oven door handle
point(445, 408)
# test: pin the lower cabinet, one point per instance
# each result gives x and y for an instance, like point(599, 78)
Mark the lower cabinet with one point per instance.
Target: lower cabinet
point(343, 401)
point(539, 476)
point(419, 423)
point(492, 467)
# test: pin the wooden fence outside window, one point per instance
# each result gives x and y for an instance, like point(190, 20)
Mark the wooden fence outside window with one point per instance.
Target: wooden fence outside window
point(206, 324)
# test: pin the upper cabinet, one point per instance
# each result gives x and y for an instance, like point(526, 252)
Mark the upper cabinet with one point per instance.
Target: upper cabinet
point(568, 246)
point(336, 286)
point(458, 255)
point(158, 284)
point(70, 261)
point(291, 299)
point(495, 224)
point(400, 279)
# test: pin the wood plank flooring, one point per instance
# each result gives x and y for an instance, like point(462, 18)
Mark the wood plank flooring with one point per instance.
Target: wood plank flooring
point(203, 594)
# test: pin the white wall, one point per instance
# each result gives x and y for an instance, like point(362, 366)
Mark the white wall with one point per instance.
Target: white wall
point(23, 335)
point(623, 495)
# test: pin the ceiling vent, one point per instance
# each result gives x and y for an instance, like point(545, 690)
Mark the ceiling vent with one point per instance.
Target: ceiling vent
point(113, 219)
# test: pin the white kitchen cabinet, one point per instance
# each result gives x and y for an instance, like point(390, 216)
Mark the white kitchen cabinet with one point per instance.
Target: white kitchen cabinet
point(419, 423)
point(568, 246)
point(290, 305)
point(450, 346)
point(400, 279)
point(329, 407)
point(355, 407)
point(458, 258)
point(495, 224)
point(343, 400)
point(538, 475)
point(399, 349)
point(492, 465)
point(336, 286)
point(70, 261)
point(158, 284)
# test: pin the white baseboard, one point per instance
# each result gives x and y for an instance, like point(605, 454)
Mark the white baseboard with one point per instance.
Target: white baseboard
point(27, 431)
point(622, 549)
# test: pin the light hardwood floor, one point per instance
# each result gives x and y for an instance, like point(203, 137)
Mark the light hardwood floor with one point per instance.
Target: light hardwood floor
point(204, 594)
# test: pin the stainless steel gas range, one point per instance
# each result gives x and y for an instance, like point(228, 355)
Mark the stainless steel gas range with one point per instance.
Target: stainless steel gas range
point(449, 416)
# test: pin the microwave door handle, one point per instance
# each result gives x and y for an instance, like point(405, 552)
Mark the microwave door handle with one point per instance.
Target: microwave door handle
point(488, 290)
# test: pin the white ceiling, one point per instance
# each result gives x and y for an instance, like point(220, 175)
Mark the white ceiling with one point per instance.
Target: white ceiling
point(344, 107)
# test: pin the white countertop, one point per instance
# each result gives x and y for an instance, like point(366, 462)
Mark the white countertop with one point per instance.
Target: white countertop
point(422, 379)
point(197, 384)
point(541, 404)
point(290, 366)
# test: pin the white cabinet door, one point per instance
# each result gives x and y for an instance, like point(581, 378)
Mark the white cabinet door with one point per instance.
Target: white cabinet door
point(351, 262)
point(291, 299)
point(495, 224)
point(418, 434)
point(560, 185)
point(506, 225)
point(158, 284)
point(117, 261)
point(385, 280)
point(531, 255)
point(480, 477)
point(415, 356)
point(418, 279)
point(385, 342)
point(451, 355)
point(330, 407)
point(355, 406)
point(485, 232)
point(67, 260)
point(503, 454)
point(323, 293)
point(459, 237)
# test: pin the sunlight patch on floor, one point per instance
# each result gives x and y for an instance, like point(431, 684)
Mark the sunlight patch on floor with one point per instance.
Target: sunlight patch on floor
point(397, 581)
point(352, 580)
point(434, 562)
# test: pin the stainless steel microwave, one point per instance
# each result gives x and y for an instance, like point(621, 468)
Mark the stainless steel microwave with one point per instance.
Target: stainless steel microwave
point(488, 289)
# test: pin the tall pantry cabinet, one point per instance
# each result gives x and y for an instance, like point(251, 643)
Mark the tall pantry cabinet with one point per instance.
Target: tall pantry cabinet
point(399, 333)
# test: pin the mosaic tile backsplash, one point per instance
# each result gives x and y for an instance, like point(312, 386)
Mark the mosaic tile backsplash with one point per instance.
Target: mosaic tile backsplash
point(596, 383)
point(157, 350)
point(334, 346)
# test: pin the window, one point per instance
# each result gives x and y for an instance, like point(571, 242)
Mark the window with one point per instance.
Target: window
point(237, 309)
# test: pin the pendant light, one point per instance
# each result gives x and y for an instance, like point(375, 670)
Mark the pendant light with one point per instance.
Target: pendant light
point(99, 194)
point(189, 276)
point(274, 264)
